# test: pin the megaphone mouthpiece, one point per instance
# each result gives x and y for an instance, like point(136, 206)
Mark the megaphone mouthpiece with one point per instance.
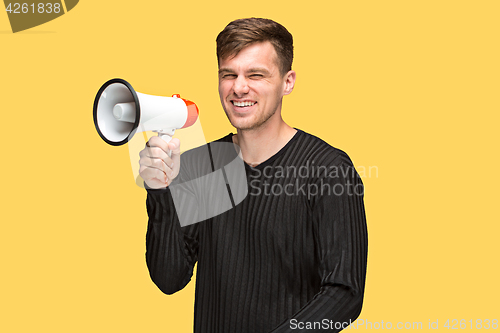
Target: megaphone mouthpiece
point(124, 112)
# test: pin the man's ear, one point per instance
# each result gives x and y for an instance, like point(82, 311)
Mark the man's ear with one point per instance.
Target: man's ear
point(289, 82)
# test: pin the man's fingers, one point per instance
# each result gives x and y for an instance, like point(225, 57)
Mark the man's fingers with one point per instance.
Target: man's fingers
point(152, 156)
point(157, 168)
point(156, 141)
point(154, 163)
point(151, 174)
point(153, 152)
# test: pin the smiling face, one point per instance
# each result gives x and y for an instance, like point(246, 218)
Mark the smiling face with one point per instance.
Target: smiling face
point(251, 87)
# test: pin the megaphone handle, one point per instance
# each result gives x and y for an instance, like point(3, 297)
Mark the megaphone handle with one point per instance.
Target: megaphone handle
point(167, 138)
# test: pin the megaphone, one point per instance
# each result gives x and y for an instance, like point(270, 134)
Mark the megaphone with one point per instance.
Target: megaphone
point(120, 112)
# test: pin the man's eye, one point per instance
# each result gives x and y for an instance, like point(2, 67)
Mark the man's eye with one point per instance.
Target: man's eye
point(256, 76)
point(228, 76)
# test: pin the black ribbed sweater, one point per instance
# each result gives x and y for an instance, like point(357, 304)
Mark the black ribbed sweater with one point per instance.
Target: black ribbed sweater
point(285, 257)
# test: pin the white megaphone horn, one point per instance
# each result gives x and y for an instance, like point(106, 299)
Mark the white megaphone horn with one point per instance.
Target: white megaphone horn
point(120, 112)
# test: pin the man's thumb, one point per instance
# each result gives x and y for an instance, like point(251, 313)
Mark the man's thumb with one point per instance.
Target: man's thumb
point(175, 147)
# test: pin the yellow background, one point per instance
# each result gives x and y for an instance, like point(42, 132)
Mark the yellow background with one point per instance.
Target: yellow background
point(411, 87)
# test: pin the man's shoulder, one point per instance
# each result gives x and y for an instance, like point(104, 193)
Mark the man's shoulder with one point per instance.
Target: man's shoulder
point(321, 152)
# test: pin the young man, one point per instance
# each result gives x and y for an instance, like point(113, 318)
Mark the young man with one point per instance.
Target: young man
point(292, 255)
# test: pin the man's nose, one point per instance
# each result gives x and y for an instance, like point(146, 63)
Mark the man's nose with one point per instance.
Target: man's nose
point(241, 86)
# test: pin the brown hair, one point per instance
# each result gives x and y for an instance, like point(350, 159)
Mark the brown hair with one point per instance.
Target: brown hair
point(243, 32)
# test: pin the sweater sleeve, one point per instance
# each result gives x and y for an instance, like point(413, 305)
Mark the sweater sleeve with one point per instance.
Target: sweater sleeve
point(342, 240)
point(171, 250)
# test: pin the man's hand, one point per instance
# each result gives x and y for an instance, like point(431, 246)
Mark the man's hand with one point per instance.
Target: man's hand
point(157, 168)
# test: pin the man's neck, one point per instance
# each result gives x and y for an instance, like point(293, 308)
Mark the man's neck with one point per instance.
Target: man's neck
point(258, 145)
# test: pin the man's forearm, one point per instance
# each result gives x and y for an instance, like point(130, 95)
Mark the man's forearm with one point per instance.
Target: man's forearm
point(170, 252)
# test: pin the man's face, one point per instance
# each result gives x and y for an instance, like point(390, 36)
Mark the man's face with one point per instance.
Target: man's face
point(251, 87)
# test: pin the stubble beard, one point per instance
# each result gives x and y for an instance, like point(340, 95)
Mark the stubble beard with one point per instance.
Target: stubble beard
point(261, 120)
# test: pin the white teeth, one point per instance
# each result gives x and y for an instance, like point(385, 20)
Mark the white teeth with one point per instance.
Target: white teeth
point(243, 103)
